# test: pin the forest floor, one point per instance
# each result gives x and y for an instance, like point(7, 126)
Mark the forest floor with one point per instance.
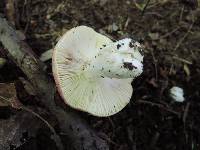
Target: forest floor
point(170, 33)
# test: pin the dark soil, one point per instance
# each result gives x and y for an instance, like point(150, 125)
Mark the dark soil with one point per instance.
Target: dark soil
point(170, 34)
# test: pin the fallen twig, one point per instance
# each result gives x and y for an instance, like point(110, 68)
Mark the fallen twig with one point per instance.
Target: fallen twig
point(182, 60)
point(80, 134)
point(183, 38)
point(144, 9)
point(55, 137)
point(170, 33)
point(160, 106)
point(185, 114)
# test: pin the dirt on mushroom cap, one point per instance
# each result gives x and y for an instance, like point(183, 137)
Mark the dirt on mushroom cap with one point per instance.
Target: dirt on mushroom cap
point(81, 88)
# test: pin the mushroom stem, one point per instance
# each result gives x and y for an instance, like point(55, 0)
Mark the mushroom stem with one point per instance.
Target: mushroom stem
point(120, 59)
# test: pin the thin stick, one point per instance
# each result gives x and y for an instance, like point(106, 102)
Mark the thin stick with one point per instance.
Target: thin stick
point(56, 138)
point(181, 14)
point(183, 38)
point(169, 33)
point(182, 60)
point(147, 3)
point(155, 64)
point(185, 114)
point(160, 106)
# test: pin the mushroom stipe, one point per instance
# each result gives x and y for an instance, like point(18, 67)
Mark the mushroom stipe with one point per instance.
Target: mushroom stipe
point(97, 74)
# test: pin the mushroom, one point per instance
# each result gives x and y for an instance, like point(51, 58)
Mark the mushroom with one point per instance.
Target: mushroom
point(177, 94)
point(94, 74)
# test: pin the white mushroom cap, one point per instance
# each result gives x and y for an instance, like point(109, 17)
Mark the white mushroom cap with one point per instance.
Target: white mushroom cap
point(94, 74)
point(177, 94)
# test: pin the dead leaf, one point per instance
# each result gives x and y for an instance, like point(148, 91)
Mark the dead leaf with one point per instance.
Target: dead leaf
point(21, 35)
point(10, 11)
point(103, 2)
point(154, 36)
point(28, 87)
point(17, 130)
point(2, 62)
point(186, 69)
point(8, 95)
point(140, 4)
